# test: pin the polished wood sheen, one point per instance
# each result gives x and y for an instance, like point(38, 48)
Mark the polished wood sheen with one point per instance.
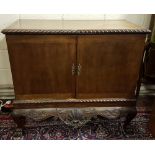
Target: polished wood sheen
point(42, 66)
point(70, 61)
point(110, 65)
point(75, 64)
point(70, 103)
point(74, 27)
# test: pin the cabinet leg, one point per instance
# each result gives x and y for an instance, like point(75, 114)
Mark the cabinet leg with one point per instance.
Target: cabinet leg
point(131, 114)
point(20, 121)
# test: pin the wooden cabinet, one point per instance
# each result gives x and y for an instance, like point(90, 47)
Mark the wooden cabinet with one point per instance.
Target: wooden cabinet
point(85, 66)
point(75, 63)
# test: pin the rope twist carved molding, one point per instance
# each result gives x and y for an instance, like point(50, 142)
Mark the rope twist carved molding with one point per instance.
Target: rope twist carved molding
point(74, 100)
point(78, 32)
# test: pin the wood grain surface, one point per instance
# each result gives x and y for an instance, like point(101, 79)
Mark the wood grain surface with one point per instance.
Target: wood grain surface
point(42, 65)
point(110, 65)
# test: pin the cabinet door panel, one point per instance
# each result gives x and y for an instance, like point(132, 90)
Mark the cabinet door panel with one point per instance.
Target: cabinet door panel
point(42, 65)
point(109, 65)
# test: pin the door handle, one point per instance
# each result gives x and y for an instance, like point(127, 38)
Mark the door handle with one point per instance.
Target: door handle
point(76, 69)
point(73, 69)
point(79, 69)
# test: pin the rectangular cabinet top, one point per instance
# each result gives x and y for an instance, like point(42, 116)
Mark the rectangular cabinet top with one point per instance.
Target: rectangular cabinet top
point(73, 27)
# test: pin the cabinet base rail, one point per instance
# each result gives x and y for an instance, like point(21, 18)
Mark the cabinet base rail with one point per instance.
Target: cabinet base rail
point(67, 103)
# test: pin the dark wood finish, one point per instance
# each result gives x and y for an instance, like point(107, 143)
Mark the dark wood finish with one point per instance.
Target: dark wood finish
point(42, 66)
point(74, 27)
point(75, 32)
point(42, 54)
point(65, 103)
point(131, 114)
point(20, 121)
point(109, 65)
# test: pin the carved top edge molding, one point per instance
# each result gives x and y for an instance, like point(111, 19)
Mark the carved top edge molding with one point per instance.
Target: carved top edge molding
point(74, 100)
point(76, 32)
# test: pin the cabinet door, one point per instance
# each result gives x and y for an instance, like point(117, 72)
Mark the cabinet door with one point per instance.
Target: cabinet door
point(42, 65)
point(110, 65)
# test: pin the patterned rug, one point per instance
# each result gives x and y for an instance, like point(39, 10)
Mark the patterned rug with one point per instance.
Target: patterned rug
point(97, 129)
